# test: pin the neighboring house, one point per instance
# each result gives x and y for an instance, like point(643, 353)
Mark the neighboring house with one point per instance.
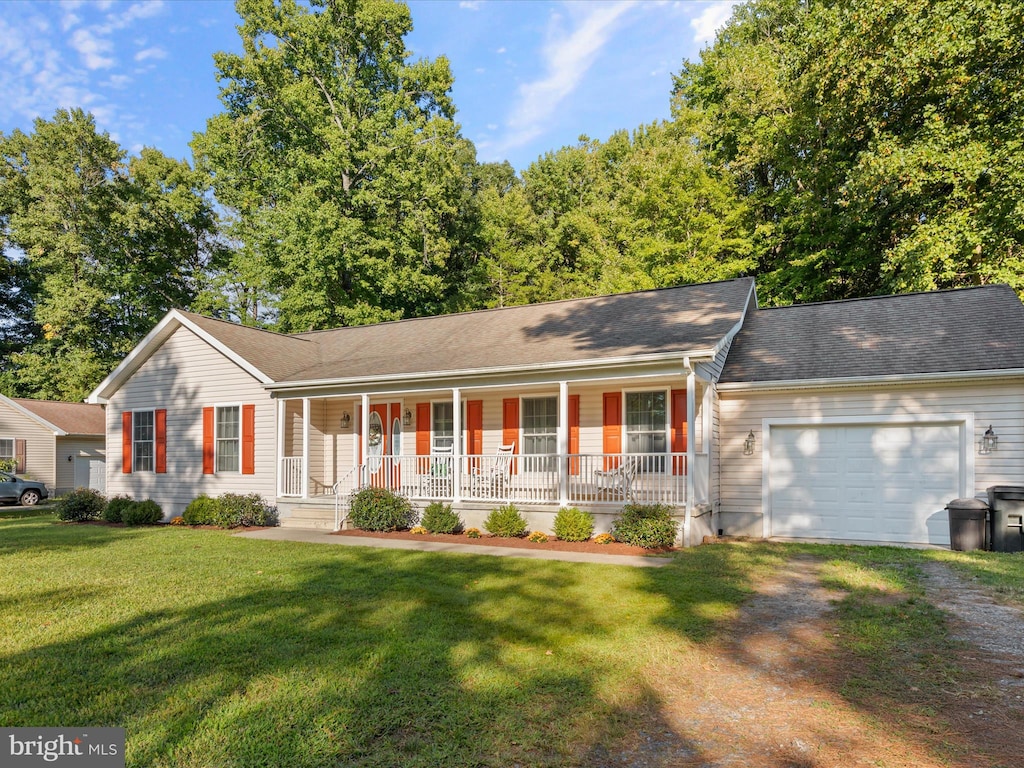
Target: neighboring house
point(59, 444)
point(592, 402)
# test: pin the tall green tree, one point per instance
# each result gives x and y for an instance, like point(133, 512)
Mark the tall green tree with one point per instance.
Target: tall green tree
point(349, 182)
point(641, 210)
point(107, 245)
point(877, 143)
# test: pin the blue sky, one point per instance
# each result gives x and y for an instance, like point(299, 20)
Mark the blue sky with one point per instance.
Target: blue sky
point(530, 75)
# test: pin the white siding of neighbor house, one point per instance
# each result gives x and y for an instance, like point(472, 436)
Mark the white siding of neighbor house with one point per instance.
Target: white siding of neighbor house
point(998, 404)
point(185, 375)
point(39, 444)
point(75, 446)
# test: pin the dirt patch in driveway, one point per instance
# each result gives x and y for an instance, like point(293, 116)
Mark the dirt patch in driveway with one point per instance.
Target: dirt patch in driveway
point(771, 693)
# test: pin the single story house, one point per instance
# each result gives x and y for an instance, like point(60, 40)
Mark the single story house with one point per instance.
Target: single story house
point(59, 444)
point(853, 420)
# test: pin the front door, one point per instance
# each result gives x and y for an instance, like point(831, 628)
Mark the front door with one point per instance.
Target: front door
point(384, 445)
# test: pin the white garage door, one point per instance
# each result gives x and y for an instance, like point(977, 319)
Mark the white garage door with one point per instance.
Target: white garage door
point(864, 482)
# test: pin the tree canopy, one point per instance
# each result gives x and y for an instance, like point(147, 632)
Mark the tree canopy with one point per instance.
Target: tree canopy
point(833, 149)
point(99, 247)
point(342, 163)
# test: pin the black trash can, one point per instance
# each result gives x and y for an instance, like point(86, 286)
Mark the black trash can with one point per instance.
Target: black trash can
point(1006, 523)
point(967, 524)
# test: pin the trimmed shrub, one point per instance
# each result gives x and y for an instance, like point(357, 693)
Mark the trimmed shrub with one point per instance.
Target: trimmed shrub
point(115, 508)
point(378, 509)
point(646, 525)
point(573, 524)
point(78, 506)
point(235, 511)
point(506, 522)
point(146, 512)
point(202, 510)
point(439, 518)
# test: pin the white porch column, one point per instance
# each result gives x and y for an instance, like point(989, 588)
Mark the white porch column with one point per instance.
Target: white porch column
point(456, 445)
point(305, 447)
point(364, 434)
point(563, 443)
point(691, 383)
point(279, 463)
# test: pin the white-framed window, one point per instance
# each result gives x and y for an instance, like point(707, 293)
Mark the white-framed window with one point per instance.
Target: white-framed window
point(647, 424)
point(539, 422)
point(228, 438)
point(143, 441)
point(442, 426)
point(6, 449)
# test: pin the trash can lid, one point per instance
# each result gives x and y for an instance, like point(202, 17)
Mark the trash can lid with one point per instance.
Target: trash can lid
point(967, 504)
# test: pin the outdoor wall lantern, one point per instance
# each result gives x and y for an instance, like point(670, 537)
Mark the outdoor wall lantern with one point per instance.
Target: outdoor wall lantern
point(407, 418)
point(748, 444)
point(346, 420)
point(70, 458)
point(989, 440)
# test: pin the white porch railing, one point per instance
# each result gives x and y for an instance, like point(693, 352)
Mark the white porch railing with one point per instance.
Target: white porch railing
point(650, 478)
point(290, 479)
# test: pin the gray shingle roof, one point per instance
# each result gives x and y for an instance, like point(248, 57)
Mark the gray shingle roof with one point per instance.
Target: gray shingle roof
point(970, 329)
point(666, 320)
point(73, 418)
point(687, 318)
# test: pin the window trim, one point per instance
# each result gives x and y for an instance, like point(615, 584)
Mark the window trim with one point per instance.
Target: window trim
point(522, 425)
point(217, 407)
point(14, 448)
point(433, 432)
point(151, 442)
point(667, 430)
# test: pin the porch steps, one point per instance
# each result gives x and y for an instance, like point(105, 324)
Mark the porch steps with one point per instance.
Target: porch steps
point(320, 517)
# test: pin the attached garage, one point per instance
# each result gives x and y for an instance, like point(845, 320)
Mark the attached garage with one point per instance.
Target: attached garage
point(860, 420)
point(864, 482)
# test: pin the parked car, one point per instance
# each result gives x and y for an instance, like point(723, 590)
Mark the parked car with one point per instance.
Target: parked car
point(16, 490)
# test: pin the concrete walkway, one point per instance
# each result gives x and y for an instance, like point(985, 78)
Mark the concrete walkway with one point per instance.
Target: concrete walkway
point(316, 536)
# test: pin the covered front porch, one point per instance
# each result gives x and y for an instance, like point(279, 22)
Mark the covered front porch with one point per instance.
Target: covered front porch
point(595, 444)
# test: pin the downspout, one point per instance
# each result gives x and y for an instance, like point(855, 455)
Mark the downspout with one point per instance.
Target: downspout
point(691, 381)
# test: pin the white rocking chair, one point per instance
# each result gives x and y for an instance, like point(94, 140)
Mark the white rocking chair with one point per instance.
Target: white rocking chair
point(617, 482)
point(491, 482)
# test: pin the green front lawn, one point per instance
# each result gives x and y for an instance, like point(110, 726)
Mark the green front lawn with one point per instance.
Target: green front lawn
point(214, 650)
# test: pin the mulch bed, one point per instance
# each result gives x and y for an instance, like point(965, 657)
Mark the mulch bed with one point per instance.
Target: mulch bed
point(486, 540)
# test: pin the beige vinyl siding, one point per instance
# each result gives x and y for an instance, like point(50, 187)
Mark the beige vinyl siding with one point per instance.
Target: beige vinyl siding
point(999, 404)
point(75, 446)
point(185, 375)
point(40, 444)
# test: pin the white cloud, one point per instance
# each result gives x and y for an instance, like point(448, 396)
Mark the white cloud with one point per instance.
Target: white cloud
point(470, 5)
point(501, 50)
point(567, 57)
point(117, 81)
point(156, 52)
point(69, 20)
point(92, 49)
point(711, 20)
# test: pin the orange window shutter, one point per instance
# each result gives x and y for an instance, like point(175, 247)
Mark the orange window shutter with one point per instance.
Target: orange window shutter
point(126, 442)
point(612, 429)
point(20, 450)
point(474, 427)
point(249, 439)
point(422, 429)
point(207, 441)
point(574, 434)
point(679, 430)
point(160, 439)
point(510, 426)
